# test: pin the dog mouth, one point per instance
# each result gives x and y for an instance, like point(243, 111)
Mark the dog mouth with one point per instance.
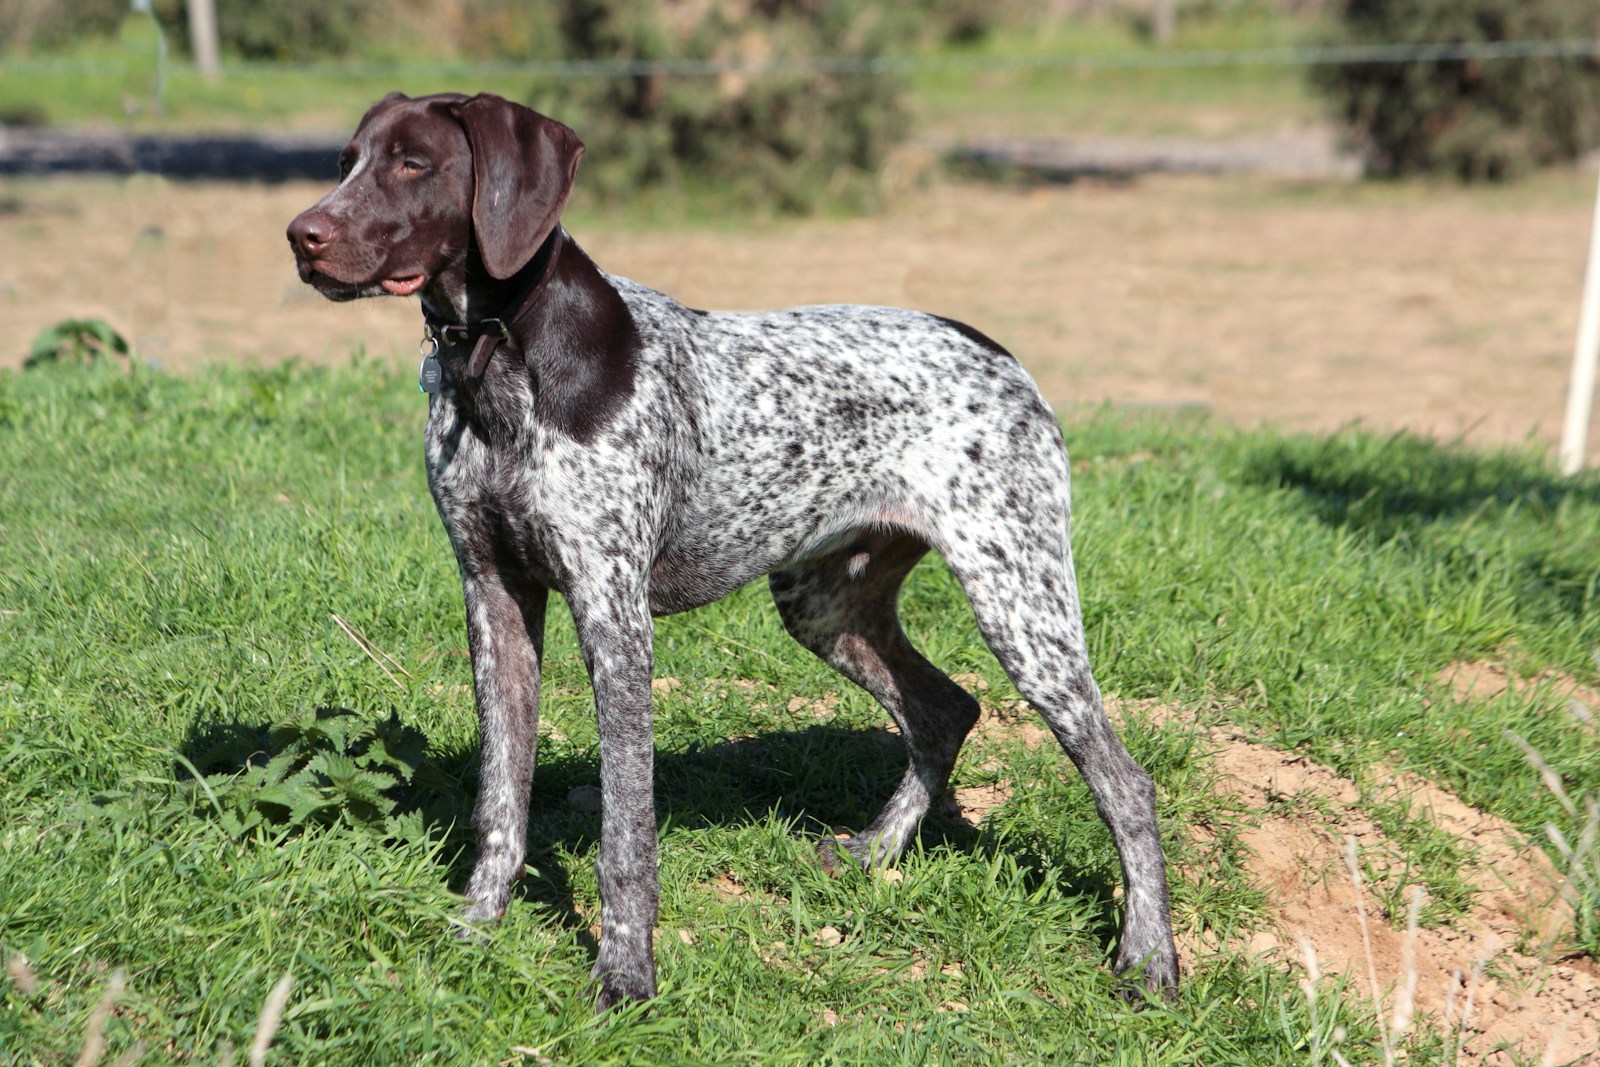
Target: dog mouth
point(404, 285)
point(330, 285)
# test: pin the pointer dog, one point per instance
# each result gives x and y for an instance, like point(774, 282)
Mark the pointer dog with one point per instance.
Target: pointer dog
point(589, 435)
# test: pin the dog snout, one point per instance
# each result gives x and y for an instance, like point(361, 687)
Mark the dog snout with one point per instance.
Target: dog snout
point(312, 232)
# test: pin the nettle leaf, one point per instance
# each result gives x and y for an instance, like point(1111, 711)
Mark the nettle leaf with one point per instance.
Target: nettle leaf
point(76, 341)
point(369, 786)
point(408, 826)
point(280, 767)
point(400, 749)
point(298, 792)
point(333, 767)
point(325, 765)
point(239, 823)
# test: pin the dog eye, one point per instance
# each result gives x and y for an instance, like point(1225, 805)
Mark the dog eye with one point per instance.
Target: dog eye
point(346, 162)
point(413, 166)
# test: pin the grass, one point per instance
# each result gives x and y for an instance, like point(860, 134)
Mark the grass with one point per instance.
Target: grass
point(176, 549)
point(1176, 101)
point(85, 85)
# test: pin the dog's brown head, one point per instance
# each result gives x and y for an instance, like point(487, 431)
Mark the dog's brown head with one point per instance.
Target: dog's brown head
point(432, 187)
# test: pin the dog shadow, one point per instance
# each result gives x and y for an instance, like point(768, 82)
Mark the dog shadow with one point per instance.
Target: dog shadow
point(822, 779)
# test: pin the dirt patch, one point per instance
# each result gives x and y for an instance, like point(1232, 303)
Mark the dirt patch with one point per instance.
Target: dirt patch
point(974, 803)
point(1524, 1003)
point(1436, 309)
point(1298, 818)
point(1479, 680)
point(1011, 720)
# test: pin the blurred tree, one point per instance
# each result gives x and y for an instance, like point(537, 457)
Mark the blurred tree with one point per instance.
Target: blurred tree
point(791, 138)
point(45, 25)
point(283, 30)
point(1473, 118)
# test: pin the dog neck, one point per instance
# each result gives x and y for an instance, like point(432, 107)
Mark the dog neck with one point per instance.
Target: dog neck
point(567, 332)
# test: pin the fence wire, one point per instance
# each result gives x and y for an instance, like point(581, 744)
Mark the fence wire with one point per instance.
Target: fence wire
point(1444, 51)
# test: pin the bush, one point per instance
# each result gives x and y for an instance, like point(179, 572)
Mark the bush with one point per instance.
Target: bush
point(1472, 118)
point(77, 341)
point(790, 140)
point(40, 25)
point(284, 30)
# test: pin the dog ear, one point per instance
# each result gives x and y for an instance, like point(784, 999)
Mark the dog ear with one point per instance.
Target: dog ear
point(523, 166)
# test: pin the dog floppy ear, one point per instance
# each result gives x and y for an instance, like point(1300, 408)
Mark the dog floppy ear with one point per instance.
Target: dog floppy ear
point(523, 166)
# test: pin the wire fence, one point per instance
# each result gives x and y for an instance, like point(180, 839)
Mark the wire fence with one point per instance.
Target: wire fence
point(1443, 51)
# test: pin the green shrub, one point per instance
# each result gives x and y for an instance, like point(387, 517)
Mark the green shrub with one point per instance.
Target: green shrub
point(324, 766)
point(1473, 118)
point(27, 25)
point(284, 30)
point(77, 341)
point(792, 140)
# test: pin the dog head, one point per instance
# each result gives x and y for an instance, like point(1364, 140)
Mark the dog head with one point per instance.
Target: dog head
point(432, 190)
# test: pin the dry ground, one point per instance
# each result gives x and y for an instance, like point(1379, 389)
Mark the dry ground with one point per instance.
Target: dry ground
point(1429, 307)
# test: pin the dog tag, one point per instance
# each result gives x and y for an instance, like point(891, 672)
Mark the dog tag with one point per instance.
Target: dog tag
point(428, 374)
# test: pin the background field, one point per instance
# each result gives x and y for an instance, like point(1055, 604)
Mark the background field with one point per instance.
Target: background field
point(1435, 308)
point(1334, 590)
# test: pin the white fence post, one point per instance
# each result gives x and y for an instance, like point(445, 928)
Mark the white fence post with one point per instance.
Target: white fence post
point(203, 38)
point(1580, 389)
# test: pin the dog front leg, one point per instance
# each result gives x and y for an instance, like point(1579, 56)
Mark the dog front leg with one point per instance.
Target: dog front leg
point(505, 632)
point(616, 635)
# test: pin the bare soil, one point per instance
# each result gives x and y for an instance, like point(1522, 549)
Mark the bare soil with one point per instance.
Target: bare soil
point(1445, 311)
point(1495, 981)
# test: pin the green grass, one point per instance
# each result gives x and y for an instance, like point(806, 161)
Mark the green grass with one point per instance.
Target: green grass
point(86, 84)
point(1101, 100)
point(172, 551)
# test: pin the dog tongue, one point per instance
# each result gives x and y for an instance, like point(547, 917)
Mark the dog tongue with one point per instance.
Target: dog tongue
point(403, 286)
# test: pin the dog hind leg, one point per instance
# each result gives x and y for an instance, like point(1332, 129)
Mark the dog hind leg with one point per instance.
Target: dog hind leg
point(1028, 613)
point(842, 607)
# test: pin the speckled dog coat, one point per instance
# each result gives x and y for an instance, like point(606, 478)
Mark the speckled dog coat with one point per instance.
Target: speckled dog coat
point(592, 436)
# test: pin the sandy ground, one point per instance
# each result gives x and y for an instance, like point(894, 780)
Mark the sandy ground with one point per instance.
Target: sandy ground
point(1309, 306)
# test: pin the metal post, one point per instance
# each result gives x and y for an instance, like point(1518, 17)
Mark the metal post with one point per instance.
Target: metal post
point(1580, 388)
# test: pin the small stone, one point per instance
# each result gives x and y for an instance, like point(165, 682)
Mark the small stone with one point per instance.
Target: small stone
point(585, 798)
point(828, 937)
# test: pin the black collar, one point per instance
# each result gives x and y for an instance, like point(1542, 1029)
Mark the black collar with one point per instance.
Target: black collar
point(489, 333)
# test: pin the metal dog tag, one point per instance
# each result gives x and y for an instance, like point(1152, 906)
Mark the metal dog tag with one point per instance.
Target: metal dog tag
point(428, 374)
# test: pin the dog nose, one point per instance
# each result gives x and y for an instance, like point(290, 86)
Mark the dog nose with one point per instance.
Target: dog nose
point(312, 232)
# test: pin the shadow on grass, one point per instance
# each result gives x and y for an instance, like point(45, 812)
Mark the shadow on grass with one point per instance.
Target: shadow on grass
point(1403, 486)
point(1381, 486)
point(823, 779)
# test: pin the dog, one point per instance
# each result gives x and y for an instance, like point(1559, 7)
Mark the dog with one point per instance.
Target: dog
point(590, 435)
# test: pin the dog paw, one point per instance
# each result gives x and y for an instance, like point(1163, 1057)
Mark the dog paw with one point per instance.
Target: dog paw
point(474, 922)
point(1143, 979)
point(836, 855)
point(619, 991)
